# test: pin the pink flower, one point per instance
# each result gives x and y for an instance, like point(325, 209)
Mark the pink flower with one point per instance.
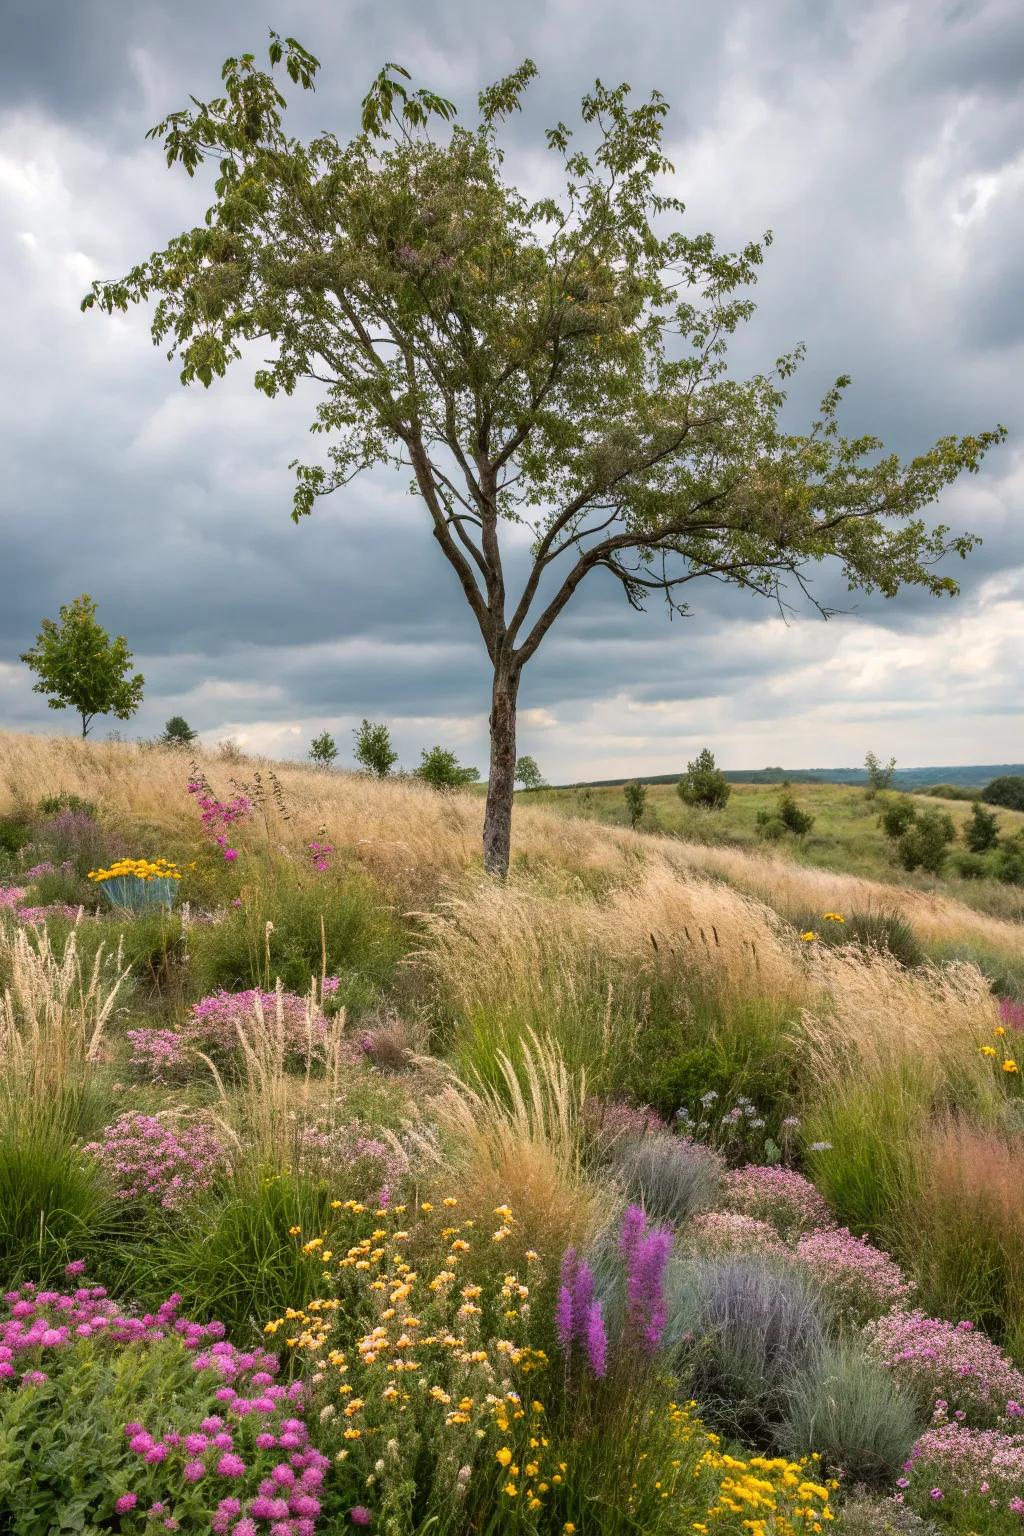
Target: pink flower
point(231, 1465)
point(360, 1515)
point(126, 1503)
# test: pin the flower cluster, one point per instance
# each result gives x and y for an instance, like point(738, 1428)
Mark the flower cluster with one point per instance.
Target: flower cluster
point(218, 815)
point(320, 854)
point(246, 1459)
point(214, 1022)
point(761, 1496)
point(719, 1232)
point(1011, 1014)
point(148, 1158)
point(860, 1280)
point(377, 1165)
point(579, 1318)
point(162, 1055)
point(137, 869)
point(11, 897)
point(949, 1362)
point(612, 1121)
point(646, 1252)
point(785, 1199)
point(954, 1465)
point(47, 867)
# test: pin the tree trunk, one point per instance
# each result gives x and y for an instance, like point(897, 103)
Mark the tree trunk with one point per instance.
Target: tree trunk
point(501, 776)
point(85, 727)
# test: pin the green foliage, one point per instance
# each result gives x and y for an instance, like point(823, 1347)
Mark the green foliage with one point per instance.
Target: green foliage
point(177, 733)
point(880, 774)
point(441, 769)
point(15, 832)
point(881, 928)
point(704, 784)
point(793, 818)
point(615, 392)
point(79, 666)
point(1007, 791)
point(636, 801)
point(849, 1409)
point(898, 816)
point(54, 1207)
point(671, 1177)
point(52, 805)
point(528, 774)
point(770, 826)
point(866, 1177)
point(373, 750)
point(970, 866)
point(925, 842)
point(322, 749)
point(982, 831)
point(1010, 862)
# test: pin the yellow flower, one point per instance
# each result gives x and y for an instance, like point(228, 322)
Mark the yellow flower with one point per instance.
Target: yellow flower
point(833, 917)
point(568, 1528)
point(999, 1030)
point(504, 1456)
point(809, 936)
point(987, 1050)
point(1010, 1066)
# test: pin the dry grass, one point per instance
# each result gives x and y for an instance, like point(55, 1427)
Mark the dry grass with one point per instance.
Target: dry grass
point(52, 1022)
point(415, 841)
point(518, 1143)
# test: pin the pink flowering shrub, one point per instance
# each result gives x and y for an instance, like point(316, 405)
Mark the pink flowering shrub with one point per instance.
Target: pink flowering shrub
point(218, 816)
point(11, 896)
point(951, 1366)
point(371, 1169)
point(213, 1023)
point(976, 1476)
point(718, 1232)
point(152, 1160)
point(146, 1423)
point(785, 1199)
point(161, 1055)
point(611, 1121)
point(859, 1280)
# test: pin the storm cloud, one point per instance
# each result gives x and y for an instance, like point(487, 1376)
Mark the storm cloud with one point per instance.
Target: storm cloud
point(882, 143)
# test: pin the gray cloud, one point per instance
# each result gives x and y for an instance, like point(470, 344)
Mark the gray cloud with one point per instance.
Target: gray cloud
point(885, 145)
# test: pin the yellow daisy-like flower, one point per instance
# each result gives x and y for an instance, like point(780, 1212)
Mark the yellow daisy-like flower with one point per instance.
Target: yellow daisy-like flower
point(833, 917)
point(1010, 1066)
point(999, 1030)
point(809, 936)
point(504, 1456)
point(987, 1050)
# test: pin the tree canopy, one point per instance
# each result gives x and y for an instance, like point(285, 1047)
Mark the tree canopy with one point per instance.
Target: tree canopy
point(79, 667)
point(557, 362)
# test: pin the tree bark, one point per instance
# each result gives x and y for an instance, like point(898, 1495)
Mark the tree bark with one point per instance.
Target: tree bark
point(502, 773)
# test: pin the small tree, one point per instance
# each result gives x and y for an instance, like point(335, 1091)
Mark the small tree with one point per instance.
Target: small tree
point(322, 749)
point(1010, 863)
point(81, 668)
point(703, 783)
point(636, 801)
point(1007, 791)
point(528, 774)
point(926, 842)
point(373, 750)
point(879, 774)
point(441, 769)
point(982, 830)
point(793, 818)
point(897, 816)
point(178, 733)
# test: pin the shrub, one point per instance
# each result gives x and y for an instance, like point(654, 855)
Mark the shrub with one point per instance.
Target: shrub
point(373, 750)
point(177, 733)
point(636, 801)
point(880, 775)
point(703, 784)
point(947, 1364)
point(793, 818)
point(15, 832)
point(75, 837)
point(970, 866)
point(973, 1478)
point(859, 1281)
point(982, 830)
point(780, 1196)
point(323, 750)
point(924, 844)
point(441, 769)
point(770, 826)
point(744, 1330)
point(52, 805)
point(849, 1408)
point(213, 1024)
point(671, 1176)
point(898, 816)
point(1010, 863)
point(729, 1232)
point(119, 1418)
point(1007, 791)
point(872, 1514)
point(149, 1159)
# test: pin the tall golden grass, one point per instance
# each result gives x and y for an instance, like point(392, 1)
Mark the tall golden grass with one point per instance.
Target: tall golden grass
point(53, 1016)
point(415, 841)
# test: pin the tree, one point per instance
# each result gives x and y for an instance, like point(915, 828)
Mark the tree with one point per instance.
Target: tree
point(793, 818)
point(528, 774)
point(926, 841)
point(879, 774)
point(636, 801)
point(440, 768)
point(81, 668)
point(373, 750)
point(559, 363)
point(1007, 791)
point(322, 749)
point(897, 816)
point(982, 830)
point(703, 783)
point(178, 733)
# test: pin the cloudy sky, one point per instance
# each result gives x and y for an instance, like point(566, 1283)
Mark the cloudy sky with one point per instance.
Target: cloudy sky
point(882, 142)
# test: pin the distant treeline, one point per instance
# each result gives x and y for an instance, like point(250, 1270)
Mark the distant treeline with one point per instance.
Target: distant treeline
point(973, 776)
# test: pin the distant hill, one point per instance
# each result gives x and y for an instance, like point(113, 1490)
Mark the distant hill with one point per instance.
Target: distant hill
point(971, 776)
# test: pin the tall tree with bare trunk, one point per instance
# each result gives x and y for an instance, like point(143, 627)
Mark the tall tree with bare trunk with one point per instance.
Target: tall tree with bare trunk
point(557, 362)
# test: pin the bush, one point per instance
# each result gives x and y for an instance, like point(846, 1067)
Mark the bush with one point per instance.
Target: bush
point(780, 1196)
point(793, 818)
point(703, 784)
point(1007, 791)
point(771, 827)
point(924, 843)
point(1010, 863)
point(744, 1331)
point(672, 1178)
point(870, 1514)
point(954, 1363)
point(15, 832)
point(859, 1281)
point(982, 830)
point(636, 801)
point(978, 1476)
point(898, 816)
point(441, 769)
point(970, 866)
point(849, 1409)
point(373, 750)
point(151, 1160)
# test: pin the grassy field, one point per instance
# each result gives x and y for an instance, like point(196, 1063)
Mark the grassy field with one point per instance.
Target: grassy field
point(671, 1186)
point(846, 835)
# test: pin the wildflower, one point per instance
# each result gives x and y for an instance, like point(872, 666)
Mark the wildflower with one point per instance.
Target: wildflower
point(1010, 1066)
point(809, 936)
point(359, 1515)
point(833, 917)
point(504, 1456)
point(126, 1503)
point(987, 1050)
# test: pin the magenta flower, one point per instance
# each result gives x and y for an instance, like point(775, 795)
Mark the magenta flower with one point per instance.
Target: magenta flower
point(126, 1503)
point(360, 1515)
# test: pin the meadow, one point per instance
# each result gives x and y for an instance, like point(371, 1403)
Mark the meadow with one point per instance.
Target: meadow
point(672, 1185)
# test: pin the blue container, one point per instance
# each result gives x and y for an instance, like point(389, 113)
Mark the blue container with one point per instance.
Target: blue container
point(139, 895)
